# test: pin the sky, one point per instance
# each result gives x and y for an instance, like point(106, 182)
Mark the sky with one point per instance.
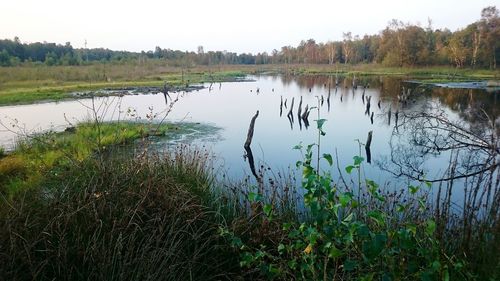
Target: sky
point(232, 25)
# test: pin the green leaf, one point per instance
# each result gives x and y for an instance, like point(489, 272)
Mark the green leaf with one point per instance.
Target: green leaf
point(334, 252)
point(413, 189)
point(345, 198)
point(281, 248)
point(267, 209)
point(436, 265)
point(373, 247)
point(377, 216)
point(372, 184)
point(292, 264)
point(412, 228)
point(430, 227)
point(349, 168)
point(310, 147)
point(328, 158)
point(320, 123)
point(298, 146)
point(348, 218)
point(307, 171)
point(236, 242)
point(254, 197)
point(358, 160)
point(287, 226)
point(421, 204)
point(350, 265)
point(400, 208)
point(458, 266)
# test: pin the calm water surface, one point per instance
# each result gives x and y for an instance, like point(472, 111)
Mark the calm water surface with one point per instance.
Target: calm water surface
point(230, 106)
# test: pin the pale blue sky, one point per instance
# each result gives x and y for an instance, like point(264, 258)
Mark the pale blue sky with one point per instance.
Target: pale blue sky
point(240, 26)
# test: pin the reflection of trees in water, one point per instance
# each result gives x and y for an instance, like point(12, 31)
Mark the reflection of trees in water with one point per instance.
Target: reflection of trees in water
point(470, 104)
point(473, 168)
point(423, 130)
point(430, 133)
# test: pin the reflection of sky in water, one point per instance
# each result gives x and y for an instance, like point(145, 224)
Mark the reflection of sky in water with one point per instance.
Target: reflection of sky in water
point(232, 106)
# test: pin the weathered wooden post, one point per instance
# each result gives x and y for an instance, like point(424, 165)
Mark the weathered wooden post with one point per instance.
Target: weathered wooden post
point(250, 130)
point(291, 109)
point(300, 107)
point(281, 106)
point(367, 147)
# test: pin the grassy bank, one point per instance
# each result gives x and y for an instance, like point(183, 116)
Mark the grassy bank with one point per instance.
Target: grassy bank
point(376, 69)
point(48, 154)
point(142, 219)
point(28, 84)
point(75, 205)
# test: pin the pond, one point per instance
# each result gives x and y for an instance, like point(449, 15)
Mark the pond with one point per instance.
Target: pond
point(230, 106)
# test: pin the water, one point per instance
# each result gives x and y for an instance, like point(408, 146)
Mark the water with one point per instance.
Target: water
point(231, 106)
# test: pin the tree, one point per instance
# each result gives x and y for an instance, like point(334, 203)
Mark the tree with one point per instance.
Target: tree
point(347, 47)
point(490, 29)
point(332, 51)
point(50, 59)
point(414, 45)
point(4, 58)
point(274, 56)
point(311, 51)
point(458, 48)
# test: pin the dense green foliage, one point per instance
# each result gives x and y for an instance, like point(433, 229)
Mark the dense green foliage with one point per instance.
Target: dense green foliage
point(399, 44)
point(359, 231)
point(348, 238)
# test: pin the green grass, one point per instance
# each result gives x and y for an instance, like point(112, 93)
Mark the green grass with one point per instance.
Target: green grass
point(97, 211)
point(376, 69)
point(29, 84)
point(52, 152)
point(133, 219)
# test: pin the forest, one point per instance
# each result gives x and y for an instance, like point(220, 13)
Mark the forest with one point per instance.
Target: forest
point(400, 44)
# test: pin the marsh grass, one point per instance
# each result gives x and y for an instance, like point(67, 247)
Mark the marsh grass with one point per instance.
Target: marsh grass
point(50, 152)
point(28, 84)
point(443, 72)
point(146, 218)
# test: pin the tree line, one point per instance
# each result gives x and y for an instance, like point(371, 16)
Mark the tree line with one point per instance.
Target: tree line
point(399, 44)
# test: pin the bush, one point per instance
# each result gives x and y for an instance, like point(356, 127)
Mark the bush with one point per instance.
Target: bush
point(349, 234)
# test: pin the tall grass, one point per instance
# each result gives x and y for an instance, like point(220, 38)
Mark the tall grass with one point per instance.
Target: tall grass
point(138, 219)
point(50, 152)
point(27, 84)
